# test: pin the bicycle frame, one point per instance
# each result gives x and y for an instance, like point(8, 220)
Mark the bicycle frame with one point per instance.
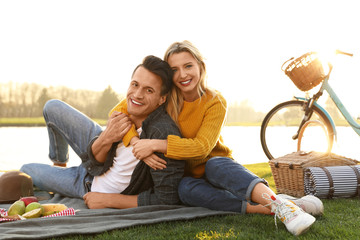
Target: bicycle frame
point(306, 111)
point(326, 87)
point(324, 111)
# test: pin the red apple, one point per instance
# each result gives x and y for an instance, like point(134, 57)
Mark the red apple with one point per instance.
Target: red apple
point(28, 200)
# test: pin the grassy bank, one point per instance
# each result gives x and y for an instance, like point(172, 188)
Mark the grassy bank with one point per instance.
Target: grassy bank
point(38, 122)
point(32, 122)
point(340, 221)
point(19, 122)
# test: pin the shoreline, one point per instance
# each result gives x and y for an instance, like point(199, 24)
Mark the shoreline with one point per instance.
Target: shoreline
point(34, 122)
point(102, 122)
point(40, 122)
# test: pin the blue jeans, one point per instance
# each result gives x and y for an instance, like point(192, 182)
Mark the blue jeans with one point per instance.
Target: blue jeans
point(66, 126)
point(227, 186)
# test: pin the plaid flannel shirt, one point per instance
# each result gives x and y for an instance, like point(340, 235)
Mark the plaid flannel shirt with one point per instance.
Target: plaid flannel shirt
point(154, 187)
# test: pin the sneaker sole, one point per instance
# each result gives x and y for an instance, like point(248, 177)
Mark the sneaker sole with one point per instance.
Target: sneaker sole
point(305, 229)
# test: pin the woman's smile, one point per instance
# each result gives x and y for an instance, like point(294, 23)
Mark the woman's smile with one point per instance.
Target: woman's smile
point(186, 74)
point(186, 83)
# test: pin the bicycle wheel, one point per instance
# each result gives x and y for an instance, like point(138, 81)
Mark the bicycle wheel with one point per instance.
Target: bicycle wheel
point(280, 128)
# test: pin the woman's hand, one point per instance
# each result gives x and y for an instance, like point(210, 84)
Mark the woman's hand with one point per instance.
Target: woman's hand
point(143, 148)
point(155, 162)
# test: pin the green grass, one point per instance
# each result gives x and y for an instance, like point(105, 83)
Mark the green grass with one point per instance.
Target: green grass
point(39, 121)
point(9, 122)
point(28, 122)
point(340, 221)
point(31, 122)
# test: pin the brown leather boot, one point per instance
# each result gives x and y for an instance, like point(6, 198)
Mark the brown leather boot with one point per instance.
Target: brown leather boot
point(60, 164)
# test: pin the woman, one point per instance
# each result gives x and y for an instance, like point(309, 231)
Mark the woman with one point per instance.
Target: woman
point(212, 178)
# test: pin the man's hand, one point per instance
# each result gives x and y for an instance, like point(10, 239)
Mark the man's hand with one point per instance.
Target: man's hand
point(117, 126)
point(96, 200)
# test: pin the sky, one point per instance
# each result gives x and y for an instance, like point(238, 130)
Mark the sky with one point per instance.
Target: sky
point(87, 44)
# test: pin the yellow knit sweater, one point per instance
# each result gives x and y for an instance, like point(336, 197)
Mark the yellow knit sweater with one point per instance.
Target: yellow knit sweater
point(200, 122)
point(122, 107)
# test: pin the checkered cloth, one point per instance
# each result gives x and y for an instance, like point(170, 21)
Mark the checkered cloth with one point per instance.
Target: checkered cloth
point(66, 212)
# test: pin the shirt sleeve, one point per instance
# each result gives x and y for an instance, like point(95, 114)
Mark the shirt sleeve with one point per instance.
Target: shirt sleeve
point(122, 107)
point(206, 138)
point(92, 166)
point(165, 181)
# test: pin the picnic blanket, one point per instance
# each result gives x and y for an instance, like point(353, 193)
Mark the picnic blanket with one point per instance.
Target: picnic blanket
point(333, 181)
point(91, 221)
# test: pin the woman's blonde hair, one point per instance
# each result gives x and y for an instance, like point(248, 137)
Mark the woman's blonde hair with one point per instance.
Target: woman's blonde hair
point(176, 101)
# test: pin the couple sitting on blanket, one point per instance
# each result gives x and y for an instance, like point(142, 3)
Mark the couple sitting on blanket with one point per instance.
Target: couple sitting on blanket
point(143, 158)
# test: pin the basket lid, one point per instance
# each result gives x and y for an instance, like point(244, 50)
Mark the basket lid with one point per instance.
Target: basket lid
point(314, 159)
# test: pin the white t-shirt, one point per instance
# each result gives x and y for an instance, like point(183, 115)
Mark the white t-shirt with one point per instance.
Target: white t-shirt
point(117, 178)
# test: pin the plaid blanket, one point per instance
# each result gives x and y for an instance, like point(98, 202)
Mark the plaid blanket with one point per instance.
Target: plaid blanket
point(81, 220)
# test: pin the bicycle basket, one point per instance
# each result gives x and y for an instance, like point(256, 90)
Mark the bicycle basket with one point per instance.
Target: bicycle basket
point(306, 72)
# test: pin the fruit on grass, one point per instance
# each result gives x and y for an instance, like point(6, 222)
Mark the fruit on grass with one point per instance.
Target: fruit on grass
point(28, 200)
point(32, 206)
point(17, 208)
point(33, 213)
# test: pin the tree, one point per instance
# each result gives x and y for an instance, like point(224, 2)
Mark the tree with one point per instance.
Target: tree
point(43, 98)
point(107, 101)
point(28, 99)
point(243, 112)
point(1, 105)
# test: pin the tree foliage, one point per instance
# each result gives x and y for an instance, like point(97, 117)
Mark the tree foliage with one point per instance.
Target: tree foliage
point(28, 99)
point(107, 101)
point(243, 112)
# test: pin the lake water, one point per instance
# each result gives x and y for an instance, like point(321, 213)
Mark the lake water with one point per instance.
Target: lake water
point(30, 144)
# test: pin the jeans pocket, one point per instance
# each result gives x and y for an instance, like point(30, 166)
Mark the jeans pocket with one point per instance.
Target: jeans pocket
point(88, 182)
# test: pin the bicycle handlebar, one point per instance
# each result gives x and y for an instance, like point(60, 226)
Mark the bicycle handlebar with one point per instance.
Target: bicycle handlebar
point(344, 53)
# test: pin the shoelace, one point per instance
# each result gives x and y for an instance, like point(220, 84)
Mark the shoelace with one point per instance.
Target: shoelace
point(282, 211)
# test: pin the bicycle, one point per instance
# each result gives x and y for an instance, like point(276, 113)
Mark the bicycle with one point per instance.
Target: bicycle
point(297, 115)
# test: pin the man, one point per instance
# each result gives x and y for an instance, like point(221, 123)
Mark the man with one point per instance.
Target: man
point(110, 176)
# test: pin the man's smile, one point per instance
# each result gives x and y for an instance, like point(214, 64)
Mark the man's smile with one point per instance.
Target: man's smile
point(136, 102)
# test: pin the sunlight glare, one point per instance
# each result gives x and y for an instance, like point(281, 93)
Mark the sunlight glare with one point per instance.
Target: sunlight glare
point(326, 57)
point(314, 139)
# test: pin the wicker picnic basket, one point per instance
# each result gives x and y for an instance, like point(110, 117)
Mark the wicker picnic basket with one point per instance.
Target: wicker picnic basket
point(306, 72)
point(288, 171)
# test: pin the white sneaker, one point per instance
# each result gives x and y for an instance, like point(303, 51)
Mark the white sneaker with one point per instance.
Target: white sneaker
point(309, 203)
point(295, 219)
